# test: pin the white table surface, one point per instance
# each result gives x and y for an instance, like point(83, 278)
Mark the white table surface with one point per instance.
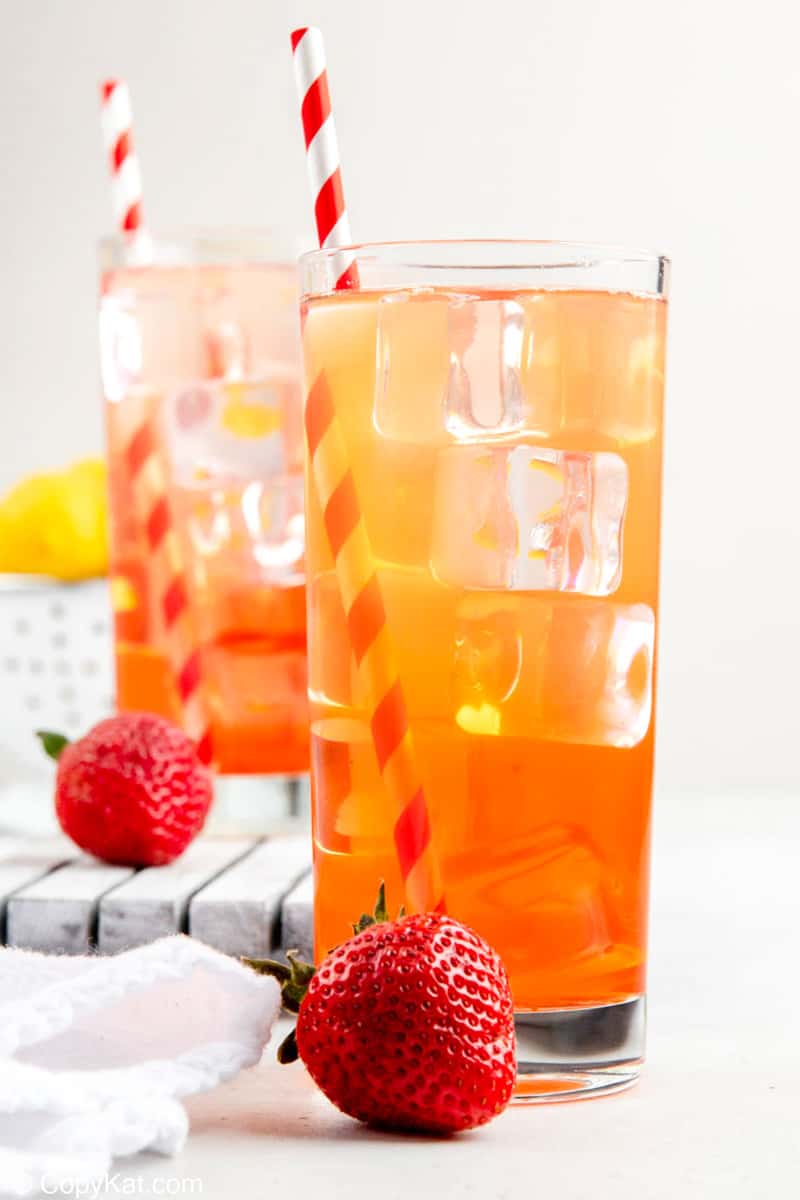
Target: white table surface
point(716, 1114)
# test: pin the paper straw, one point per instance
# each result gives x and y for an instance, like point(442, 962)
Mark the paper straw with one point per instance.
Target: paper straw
point(137, 419)
point(126, 177)
point(356, 574)
point(147, 474)
point(322, 150)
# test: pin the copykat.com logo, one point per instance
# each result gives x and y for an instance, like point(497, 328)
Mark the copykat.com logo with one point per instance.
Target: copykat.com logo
point(120, 1184)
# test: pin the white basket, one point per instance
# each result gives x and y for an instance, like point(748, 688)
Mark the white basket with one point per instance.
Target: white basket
point(56, 672)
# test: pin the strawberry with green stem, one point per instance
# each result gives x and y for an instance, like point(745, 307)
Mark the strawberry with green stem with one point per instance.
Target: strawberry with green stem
point(132, 790)
point(407, 1025)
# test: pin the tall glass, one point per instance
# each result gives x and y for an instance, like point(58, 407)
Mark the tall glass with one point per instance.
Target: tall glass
point(501, 405)
point(199, 338)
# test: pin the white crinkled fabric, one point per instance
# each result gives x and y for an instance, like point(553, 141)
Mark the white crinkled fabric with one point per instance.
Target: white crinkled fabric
point(95, 1053)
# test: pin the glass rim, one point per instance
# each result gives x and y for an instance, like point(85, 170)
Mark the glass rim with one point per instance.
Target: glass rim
point(491, 265)
point(209, 245)
point(577, 253)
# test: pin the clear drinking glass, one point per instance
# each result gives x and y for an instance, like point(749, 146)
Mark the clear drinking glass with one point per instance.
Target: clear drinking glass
point(501, 407)
point(200, 350)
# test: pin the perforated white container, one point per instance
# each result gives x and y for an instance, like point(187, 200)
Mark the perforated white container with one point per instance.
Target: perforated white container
point(56, 672)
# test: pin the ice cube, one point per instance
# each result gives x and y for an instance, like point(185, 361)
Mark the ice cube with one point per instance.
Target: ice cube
point(580, 369)
point(570, 670)
point(332, 679)
point(529, 519)
point(347, 780)
point(412, 366)
point(251, 530)
point(152, 318)
point(233, 452)
point(237, 429)
point(448, 365)
point(205, 514)
point(484, 393)
point(226, 349)
point(330, 758)
point(553, 879)
point(475, 531)
point(221, 315)
point(487, 663)
point(273, 517)
point(592, 366)
point(396, 482)
point(120, 348)
point(424, 653)
point(420, 614)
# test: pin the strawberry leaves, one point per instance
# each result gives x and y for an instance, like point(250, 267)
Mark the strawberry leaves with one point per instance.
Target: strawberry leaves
point(288, 1051)
point(53, 743)
point(293, 977)
point(380, 913)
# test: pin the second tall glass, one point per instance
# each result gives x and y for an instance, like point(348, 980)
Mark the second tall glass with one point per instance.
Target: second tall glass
point(200, 353)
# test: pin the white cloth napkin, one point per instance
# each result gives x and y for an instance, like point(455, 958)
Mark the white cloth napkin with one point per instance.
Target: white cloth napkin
point(94, 1053)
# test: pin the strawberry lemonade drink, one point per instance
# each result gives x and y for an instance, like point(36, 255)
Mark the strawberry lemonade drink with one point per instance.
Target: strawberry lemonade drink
point(501, 405)
point(200, 369)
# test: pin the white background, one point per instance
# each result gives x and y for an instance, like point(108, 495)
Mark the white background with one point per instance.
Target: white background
point(669, 125)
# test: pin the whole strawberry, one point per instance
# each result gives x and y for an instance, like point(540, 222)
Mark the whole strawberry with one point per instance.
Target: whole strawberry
point(132, 791)
point(408, 1025)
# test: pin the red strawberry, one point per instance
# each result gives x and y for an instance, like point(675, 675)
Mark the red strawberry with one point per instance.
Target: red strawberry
point(408, 1025)
point(132, 790)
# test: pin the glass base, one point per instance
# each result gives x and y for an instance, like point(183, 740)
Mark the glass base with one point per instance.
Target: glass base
point(259, 804)
point(577, 1053)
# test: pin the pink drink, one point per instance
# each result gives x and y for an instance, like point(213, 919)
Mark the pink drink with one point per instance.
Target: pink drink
point(205, 342)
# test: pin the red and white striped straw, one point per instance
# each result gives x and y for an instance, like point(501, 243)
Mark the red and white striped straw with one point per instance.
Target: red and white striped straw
point(147, 472)
point(144, 458)
point(126, 177)
point(322, 150)
point(348, 538)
